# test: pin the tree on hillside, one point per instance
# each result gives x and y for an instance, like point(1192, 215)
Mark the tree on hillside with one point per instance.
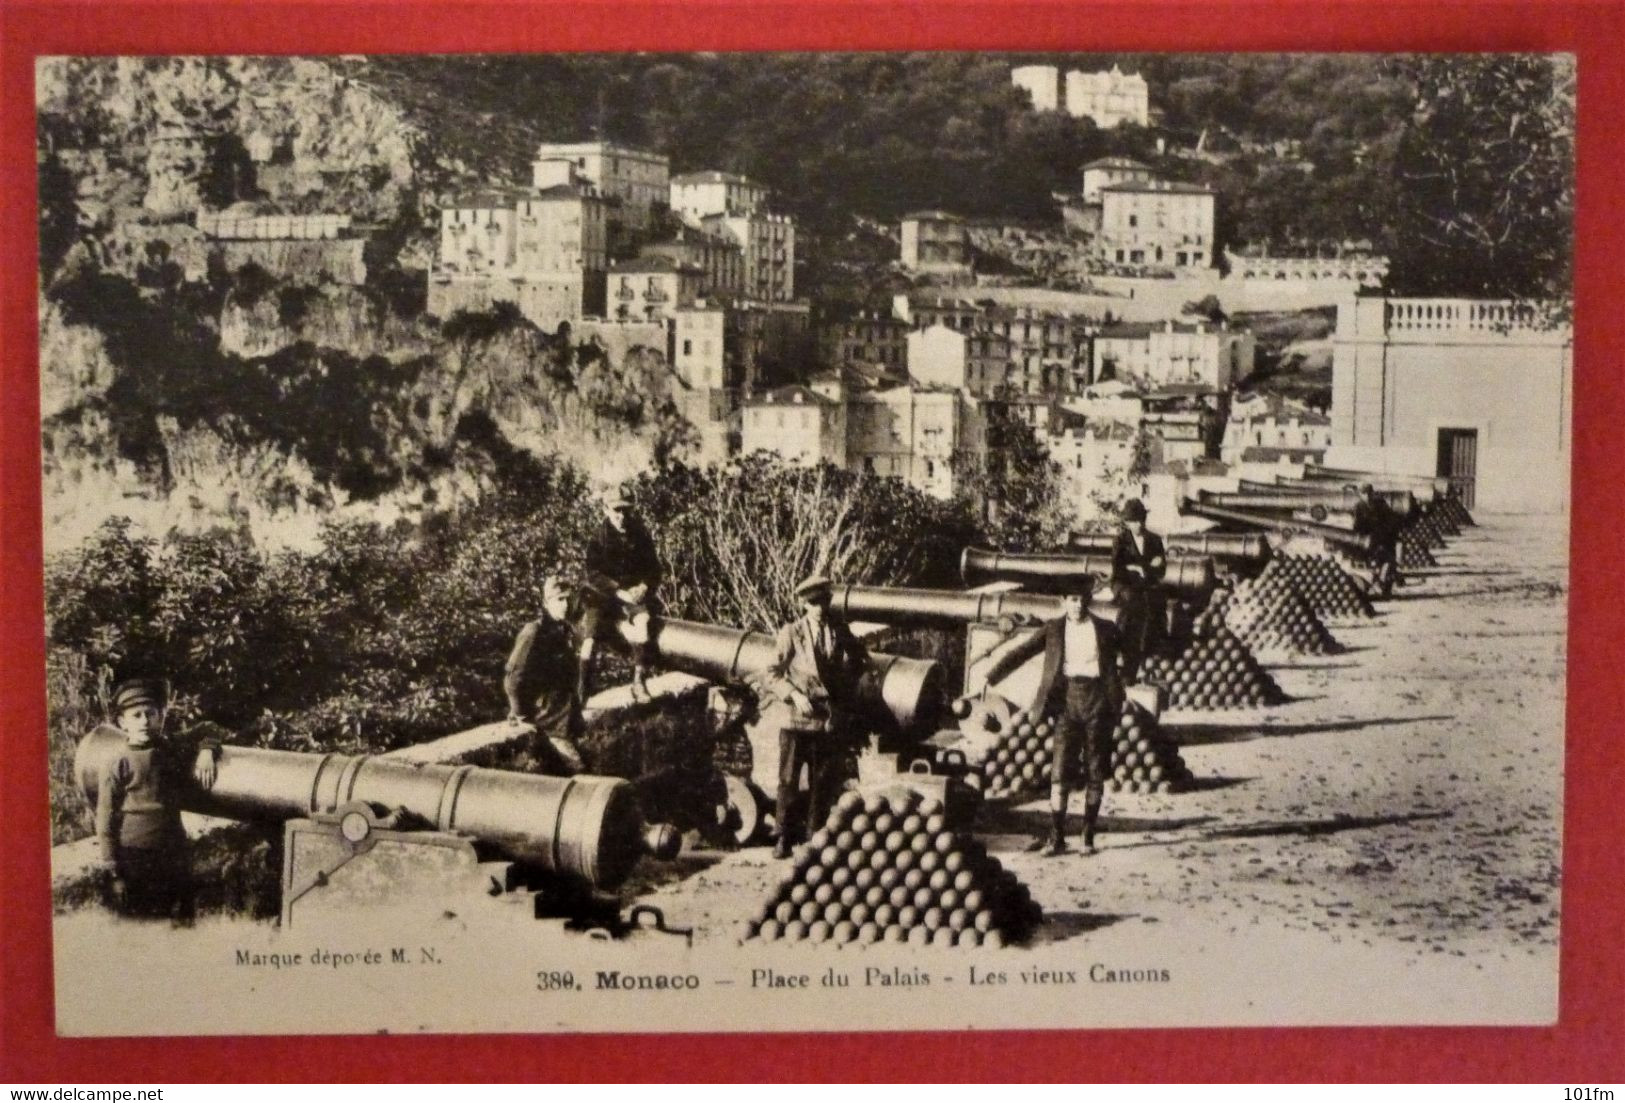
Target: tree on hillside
point(1483, 178)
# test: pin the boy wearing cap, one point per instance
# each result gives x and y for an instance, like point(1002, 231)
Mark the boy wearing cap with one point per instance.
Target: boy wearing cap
point(1079, 682)
point(542, 682)
point(138, 817)
point(622, 573)
point(816, 671)
point(1139, 562)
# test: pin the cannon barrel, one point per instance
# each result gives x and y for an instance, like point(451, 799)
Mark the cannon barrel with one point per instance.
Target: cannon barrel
point(941, 608)
point(912, 691)
point(588, 829)
point(1249, 546)
point(1267, 523)
point(1422, 485)
point(1188, 575)
point(1281, 499)
point(1322, 493)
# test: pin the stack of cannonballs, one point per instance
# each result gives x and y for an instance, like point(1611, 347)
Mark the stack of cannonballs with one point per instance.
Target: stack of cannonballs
point(1454, 511)
point(1425, 528)
point(1270, 616)
point(889, 868)
point(1214, 672)
point(1144, 760)
point(1326, 587)
point(1211, 618)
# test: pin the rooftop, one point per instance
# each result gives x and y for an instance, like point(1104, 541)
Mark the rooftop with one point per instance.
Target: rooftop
point(931, 216)
point(1117, 163)
point(793, 395)
point(548, 150)
point(1149, 187)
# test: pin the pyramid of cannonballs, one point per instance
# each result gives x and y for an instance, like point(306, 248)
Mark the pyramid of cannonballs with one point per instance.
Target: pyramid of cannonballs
point(1453, 510)
point(1325, 586)
point(1426, 529)
point(889, 868)
point(1413, 553)
point(1211, 618)
point(1214, 672)
point(1269, 615)
point(1144, 760)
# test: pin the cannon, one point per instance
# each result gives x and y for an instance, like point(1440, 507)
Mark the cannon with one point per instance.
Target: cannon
point(1326, 501)
point(1187, 576)
point(585, 829)
point(1346, 539)
point(911, 692)
point(944, 608)
point(1307, 494)
point(1424, 486)
point(1236, 547)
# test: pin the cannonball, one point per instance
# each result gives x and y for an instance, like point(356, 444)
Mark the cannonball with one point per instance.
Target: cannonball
point(919, 936)
point(939, 880)
point(942, 936)
point(908, 915)
point(974, 901)
point(865, 878)
point(800, 894)
point(833, 913)
point(874, 896)
point(948, 899)
point(899, 896)
point(795, 931)
point(844, 932)
point(885, 915)
point(869, 934)
point(820, 839)
point(824, 893)
point(923, 898)
point(993, 938)
point(818, 932)
point(970, 936)
point(953, 861)
point(930, 806)
point(901, 802)
point(869, 842)
point(850, 895)
point(810, 911)
point(894, 933)
point(862, 822)
point(860, 858)
point(769, 930)
point(880, 860)
point(874, 804)
point(845, 841)
point(840, 877)
point(920, 843)
point(914, 879)
point(830, 856)
point(859, 912)
point(784, 913)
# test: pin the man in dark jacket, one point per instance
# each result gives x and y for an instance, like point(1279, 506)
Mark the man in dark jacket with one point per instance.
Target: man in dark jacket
point(1080, 686)
point(622, 573)
point(816, 671)
point(542, 683)
point(1139, 562)
point(1376, 520)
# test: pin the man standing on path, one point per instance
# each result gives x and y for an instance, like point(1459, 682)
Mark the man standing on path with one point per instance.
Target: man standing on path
point(1079, 685)
point(1376, 520)
point(1139, 562)
point(816, 673)
point(542, 683)
point(622, 574)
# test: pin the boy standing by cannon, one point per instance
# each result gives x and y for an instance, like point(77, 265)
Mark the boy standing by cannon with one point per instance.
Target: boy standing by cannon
point(146, 858)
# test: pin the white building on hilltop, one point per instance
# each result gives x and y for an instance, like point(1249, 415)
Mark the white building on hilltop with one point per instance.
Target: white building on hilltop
point(1108, 98)
point(1160, 224)
point(697, 194)
point(1042, 83)
point(640, 179)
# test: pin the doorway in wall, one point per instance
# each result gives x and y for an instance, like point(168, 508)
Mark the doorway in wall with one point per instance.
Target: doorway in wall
point(1458, 462)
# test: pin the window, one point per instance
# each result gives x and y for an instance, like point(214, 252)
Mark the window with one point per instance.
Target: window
point(688, 347)
point(1133, 220)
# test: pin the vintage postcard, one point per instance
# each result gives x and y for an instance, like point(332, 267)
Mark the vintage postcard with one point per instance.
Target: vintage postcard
point(805, 541)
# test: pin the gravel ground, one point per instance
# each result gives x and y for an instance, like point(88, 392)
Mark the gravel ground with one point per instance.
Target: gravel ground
point(1407, 798)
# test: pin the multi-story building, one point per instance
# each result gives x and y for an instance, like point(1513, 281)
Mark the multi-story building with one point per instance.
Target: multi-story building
point(1108, 98)
point(695, 195)
point(923, 309)
point(1269, 421)
point(544, 250)
point(1162, 354)
point(1091, 454)
point(768, 243)
point(1156, 224)
point(936, 242)
point(638, 178)
point(1049, 352)
point(930, 437)
point(977, 363)
point(720, 259)
point(651, 288)
point(1041, 82)
point(800, 425)
point(868, 337)
point(1106, 171)
point(733, 345)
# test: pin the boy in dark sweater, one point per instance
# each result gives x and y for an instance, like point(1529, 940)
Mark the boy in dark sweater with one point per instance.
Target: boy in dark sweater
point(138, 818)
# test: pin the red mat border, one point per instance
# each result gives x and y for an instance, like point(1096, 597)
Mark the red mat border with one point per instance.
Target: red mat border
point(1586, 1045)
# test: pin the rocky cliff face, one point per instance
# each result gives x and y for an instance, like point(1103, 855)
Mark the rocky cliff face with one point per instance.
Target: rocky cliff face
point(189, 396)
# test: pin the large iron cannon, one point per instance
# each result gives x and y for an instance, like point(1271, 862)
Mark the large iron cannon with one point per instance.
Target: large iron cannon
point(944, 608)
point(1308, 494)
point(912, 692)
point(1346, 539)
point(1424, 486)
point(586, 829)
point(1187, 576)
point(1238, 547)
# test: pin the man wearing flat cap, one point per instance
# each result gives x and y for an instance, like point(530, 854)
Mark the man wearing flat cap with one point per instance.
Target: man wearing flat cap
point(622, 571)
point(144, 851)
point(1376, 520)
point(1079, 685)
point(815, 673)
point(1139, 562)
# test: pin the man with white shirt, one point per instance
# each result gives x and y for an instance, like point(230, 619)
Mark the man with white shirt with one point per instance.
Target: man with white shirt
point(1081, 687)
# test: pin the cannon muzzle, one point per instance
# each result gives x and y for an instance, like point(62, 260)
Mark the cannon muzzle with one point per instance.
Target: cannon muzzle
point(1188, 576)
point(910, 692)
point(1265, 522)
point(587, 829)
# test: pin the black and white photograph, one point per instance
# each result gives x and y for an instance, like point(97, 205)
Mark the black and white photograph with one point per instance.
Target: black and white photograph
point(805, 541)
